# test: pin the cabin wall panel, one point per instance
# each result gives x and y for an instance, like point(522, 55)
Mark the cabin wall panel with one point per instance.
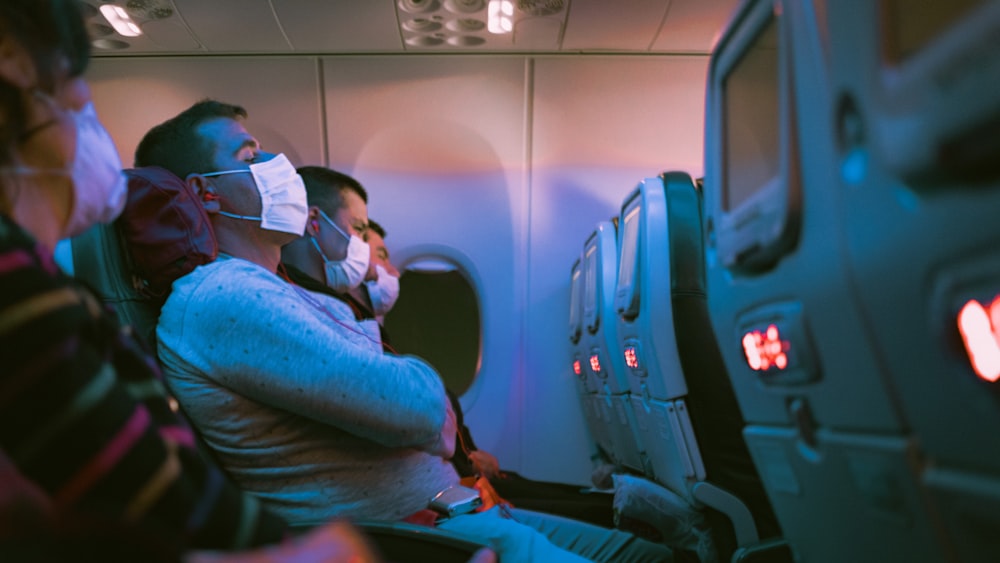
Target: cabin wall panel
point(282, 96)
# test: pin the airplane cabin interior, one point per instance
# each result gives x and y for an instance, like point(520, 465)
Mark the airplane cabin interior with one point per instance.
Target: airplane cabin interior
point(772, 227)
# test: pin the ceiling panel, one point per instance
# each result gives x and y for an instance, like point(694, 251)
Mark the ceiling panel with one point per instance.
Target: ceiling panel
point(340, 27)
point(692, 26)
point(234, 26)
point(625, 25)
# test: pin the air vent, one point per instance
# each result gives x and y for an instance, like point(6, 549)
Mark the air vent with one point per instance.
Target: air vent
point(465, 6)
point(418, 6)
point(149, 9)
point(541, 7)
point(466, 25)
point(421, 25)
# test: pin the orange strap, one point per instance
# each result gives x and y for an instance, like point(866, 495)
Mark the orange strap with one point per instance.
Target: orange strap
point(487, 493)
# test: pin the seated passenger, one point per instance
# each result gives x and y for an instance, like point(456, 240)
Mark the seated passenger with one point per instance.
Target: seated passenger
point(341, 271)
point(83, 420)
point(379, 296)
point(381, 293)
point(295, 398)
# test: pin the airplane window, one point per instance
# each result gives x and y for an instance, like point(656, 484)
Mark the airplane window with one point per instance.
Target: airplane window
point(437, 318)
point(911, 24)
point(752, 155)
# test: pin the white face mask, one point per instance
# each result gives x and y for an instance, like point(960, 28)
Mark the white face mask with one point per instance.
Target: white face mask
point(346, 274)
point(99, 187)
point(383, 292)
point(283, 206)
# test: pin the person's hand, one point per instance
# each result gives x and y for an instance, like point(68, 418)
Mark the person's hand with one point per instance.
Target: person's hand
point(484, 555)
point(485, 464)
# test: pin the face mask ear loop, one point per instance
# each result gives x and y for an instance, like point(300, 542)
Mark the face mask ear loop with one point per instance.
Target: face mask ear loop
point(315, 243)
point(224, 172)
point(334, 225)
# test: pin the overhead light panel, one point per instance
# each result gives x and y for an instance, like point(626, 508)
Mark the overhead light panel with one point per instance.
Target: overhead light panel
point(500, 16)
point(120, 20)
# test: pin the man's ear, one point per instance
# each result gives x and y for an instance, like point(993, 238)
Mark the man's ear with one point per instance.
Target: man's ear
point(205, 192)
point(16, 67)
point(312, 224)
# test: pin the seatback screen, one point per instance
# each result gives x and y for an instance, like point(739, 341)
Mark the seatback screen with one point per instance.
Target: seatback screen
point(628, 265)
point(574, 302)
point(751, 118)
point(590, 305)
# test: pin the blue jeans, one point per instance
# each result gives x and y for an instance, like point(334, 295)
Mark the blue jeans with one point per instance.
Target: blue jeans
point(533, 536)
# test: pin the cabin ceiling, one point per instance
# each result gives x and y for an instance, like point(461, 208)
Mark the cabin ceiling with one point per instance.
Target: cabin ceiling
point(329, 27)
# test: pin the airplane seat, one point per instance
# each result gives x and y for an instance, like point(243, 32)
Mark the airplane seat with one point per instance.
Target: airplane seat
point(797, 224)
point(922, 237)
point(681, 390)
point(656, 383)
point(102, 259)
point(606, 366)
point(157, 221)
point(715, 413)
point(586, 384)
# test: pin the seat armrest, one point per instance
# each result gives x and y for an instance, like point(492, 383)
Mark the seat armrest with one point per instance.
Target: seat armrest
point(774, 550)
point(402, 542)
point(739, 515)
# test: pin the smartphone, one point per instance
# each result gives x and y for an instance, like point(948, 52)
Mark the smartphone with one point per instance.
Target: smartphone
point(455, 500)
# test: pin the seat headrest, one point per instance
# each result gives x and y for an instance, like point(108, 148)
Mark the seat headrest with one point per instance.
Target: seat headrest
point(164, 227)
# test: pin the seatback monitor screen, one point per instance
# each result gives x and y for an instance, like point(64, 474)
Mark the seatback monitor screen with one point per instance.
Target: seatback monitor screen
point(590, 305)
point(574, 302)
point(751, 117)
point(628, 265)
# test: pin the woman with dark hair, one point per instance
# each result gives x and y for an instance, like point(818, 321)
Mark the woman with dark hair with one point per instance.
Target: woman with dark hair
point(86, 435)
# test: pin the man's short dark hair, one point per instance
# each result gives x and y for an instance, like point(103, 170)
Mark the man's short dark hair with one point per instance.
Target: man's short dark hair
point(325, 187)
point(176, 145)
point(373, 226)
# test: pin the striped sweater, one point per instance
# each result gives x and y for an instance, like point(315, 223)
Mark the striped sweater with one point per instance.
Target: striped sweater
point(83, 414)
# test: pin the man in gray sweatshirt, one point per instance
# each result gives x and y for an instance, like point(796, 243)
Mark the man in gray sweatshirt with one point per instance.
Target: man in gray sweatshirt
point(293, 396)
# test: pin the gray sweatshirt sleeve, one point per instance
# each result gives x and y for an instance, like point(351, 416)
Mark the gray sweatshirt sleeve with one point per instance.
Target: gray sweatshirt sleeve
point(251, 332)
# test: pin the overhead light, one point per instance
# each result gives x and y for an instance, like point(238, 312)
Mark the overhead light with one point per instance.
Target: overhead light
point(500, 16)
point(120, 20)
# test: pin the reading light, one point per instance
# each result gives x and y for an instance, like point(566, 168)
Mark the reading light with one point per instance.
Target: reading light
point(764, 350)
point(631, 358)
point(500, 16)
point(577, 369)
point(981, 334)
point(595, 363)
point(120, 20)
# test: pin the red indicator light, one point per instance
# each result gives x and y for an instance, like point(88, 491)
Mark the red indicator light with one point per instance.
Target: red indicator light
point(576, 367)
point(981, 334)
point(595, 364)
point(765, 349)
point(631, 358)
